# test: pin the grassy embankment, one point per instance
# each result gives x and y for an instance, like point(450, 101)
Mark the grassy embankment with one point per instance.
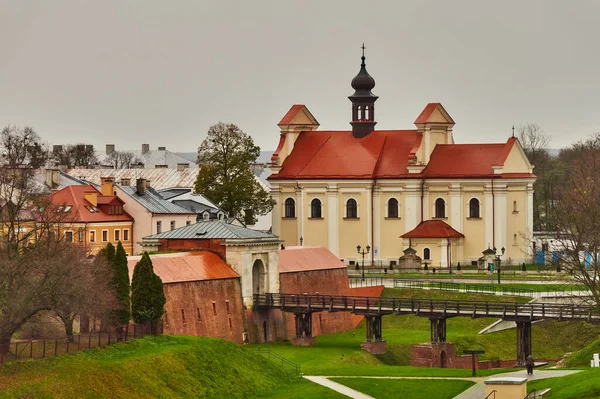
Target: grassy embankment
point(163, 366)
point(582, 385)
point(414, 389)
point(340, 354)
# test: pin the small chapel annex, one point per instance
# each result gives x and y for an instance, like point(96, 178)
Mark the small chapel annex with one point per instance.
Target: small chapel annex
point(395, 189)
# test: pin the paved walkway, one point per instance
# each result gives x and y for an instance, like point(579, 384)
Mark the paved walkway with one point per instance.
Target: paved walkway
point(344, 390)
point(477, 391)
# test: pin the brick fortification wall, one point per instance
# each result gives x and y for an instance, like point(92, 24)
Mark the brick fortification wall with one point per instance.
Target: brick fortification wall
point(205, 308)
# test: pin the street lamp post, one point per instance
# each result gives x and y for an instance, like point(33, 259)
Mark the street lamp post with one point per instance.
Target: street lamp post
point(498, 260)
point(363, 253)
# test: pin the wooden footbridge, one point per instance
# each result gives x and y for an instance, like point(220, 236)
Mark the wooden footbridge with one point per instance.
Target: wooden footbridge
point(438, 311)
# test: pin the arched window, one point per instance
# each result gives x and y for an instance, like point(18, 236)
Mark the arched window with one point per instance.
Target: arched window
point(440, 208)
point(315, 209)
point(474, 208)
point(515, 209)
point(427, 254)
point(392, 211)
point(290, 208)
point(351, 209)
point(514, 239)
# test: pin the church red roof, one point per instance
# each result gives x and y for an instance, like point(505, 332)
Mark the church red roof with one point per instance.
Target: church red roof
point(289, 117)
point(338, 154)
point(426, 113)
point(433, 229)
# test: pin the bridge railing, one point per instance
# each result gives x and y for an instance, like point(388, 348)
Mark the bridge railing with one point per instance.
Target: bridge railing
point(360, 304)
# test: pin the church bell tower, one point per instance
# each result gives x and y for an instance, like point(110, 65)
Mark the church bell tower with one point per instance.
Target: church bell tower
point(363, 101)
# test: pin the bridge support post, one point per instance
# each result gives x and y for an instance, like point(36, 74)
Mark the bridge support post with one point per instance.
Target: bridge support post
point(438, 330)
point(303, 323)
point(523, 342)
point(374, 343)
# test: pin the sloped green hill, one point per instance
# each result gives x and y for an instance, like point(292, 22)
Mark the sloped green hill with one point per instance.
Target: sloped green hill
point(162, 366)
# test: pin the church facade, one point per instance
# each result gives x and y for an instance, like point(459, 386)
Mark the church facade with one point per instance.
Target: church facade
point(394, 189)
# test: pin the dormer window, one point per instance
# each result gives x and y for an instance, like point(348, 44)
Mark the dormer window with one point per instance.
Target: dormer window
point(205, 216)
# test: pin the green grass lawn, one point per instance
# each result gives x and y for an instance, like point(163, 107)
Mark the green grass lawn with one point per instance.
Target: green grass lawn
point(582, 357)
point(414, 389)
point(584, 385)
point(162, 366)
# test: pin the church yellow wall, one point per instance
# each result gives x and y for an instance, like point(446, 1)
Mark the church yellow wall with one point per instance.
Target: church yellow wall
point(419, 244)
point(473, 229)
point(353, 232)
point(315, 230)
point(437, 137)
point(516, 223)
point(289, 226)
point(391, 229)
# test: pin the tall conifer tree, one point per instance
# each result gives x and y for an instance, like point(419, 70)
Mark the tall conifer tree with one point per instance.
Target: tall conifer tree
point(147, 294)
point(122, 286)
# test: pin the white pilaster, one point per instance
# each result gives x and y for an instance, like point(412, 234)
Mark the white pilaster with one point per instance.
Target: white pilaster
point(529, 220)
point(412, 208)
point(456, 208)
point(333, 220)
point(444, 253)
point(369, 223)
point(500, 215)
point(377, 223)
point(489, 215)
point(426, 138)
point(276, 212)
point(300, 211)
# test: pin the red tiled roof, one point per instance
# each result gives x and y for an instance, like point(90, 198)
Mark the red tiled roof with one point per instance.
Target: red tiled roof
point(433, 229)
point(279, 148)
point(338, 154)
point(186, 266)
point(75, 196)
point(469, 160)
point(109, 199)
point(426, 113)
point(291, 114)
point(307, 258)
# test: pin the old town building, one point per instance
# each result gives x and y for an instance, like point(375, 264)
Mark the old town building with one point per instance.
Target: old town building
point(394, 189)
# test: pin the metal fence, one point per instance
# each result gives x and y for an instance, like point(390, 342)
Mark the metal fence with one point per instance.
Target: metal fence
point(43, 348)
point(286, 364)
point(357, 281)
point(475, 288)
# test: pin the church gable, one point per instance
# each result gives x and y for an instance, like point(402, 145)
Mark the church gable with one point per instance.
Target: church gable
point(516, 161)
point(298, 115)
point(434, 113)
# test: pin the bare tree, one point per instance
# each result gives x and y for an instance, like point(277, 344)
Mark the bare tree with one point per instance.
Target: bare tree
point(578, 218)
point(122, 159)
point(78, 155)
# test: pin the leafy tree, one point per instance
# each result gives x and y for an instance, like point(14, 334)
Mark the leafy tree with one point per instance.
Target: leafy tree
point(147, 294)
point(122, 288)
point(225, 176)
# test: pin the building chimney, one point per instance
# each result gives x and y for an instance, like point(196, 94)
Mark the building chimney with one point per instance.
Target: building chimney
point(125, 181)
point(145, 148)
point(140, 186)
point(107, 185)
point(182, 166)
point(52, 178)
point(110, 148)
point(92, 196)
point(162, 148)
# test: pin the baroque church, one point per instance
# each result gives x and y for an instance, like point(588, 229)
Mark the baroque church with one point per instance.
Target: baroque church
point(392, 190)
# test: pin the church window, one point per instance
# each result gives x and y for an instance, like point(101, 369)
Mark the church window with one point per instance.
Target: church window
point(514, 239)
point(515, 209)
point(392, 211)
point(440, 208)
point(290, 208)
point(474, 208)
point(351, 209)
point(315, 209)
point(427, 254)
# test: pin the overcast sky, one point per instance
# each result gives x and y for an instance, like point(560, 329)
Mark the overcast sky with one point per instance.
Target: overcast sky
point(161, 72)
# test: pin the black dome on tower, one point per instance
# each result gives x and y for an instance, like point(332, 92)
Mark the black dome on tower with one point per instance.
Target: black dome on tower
point(363, 101)
point(363, 83)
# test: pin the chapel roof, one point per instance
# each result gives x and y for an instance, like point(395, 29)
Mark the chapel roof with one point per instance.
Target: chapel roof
point(433, 229)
